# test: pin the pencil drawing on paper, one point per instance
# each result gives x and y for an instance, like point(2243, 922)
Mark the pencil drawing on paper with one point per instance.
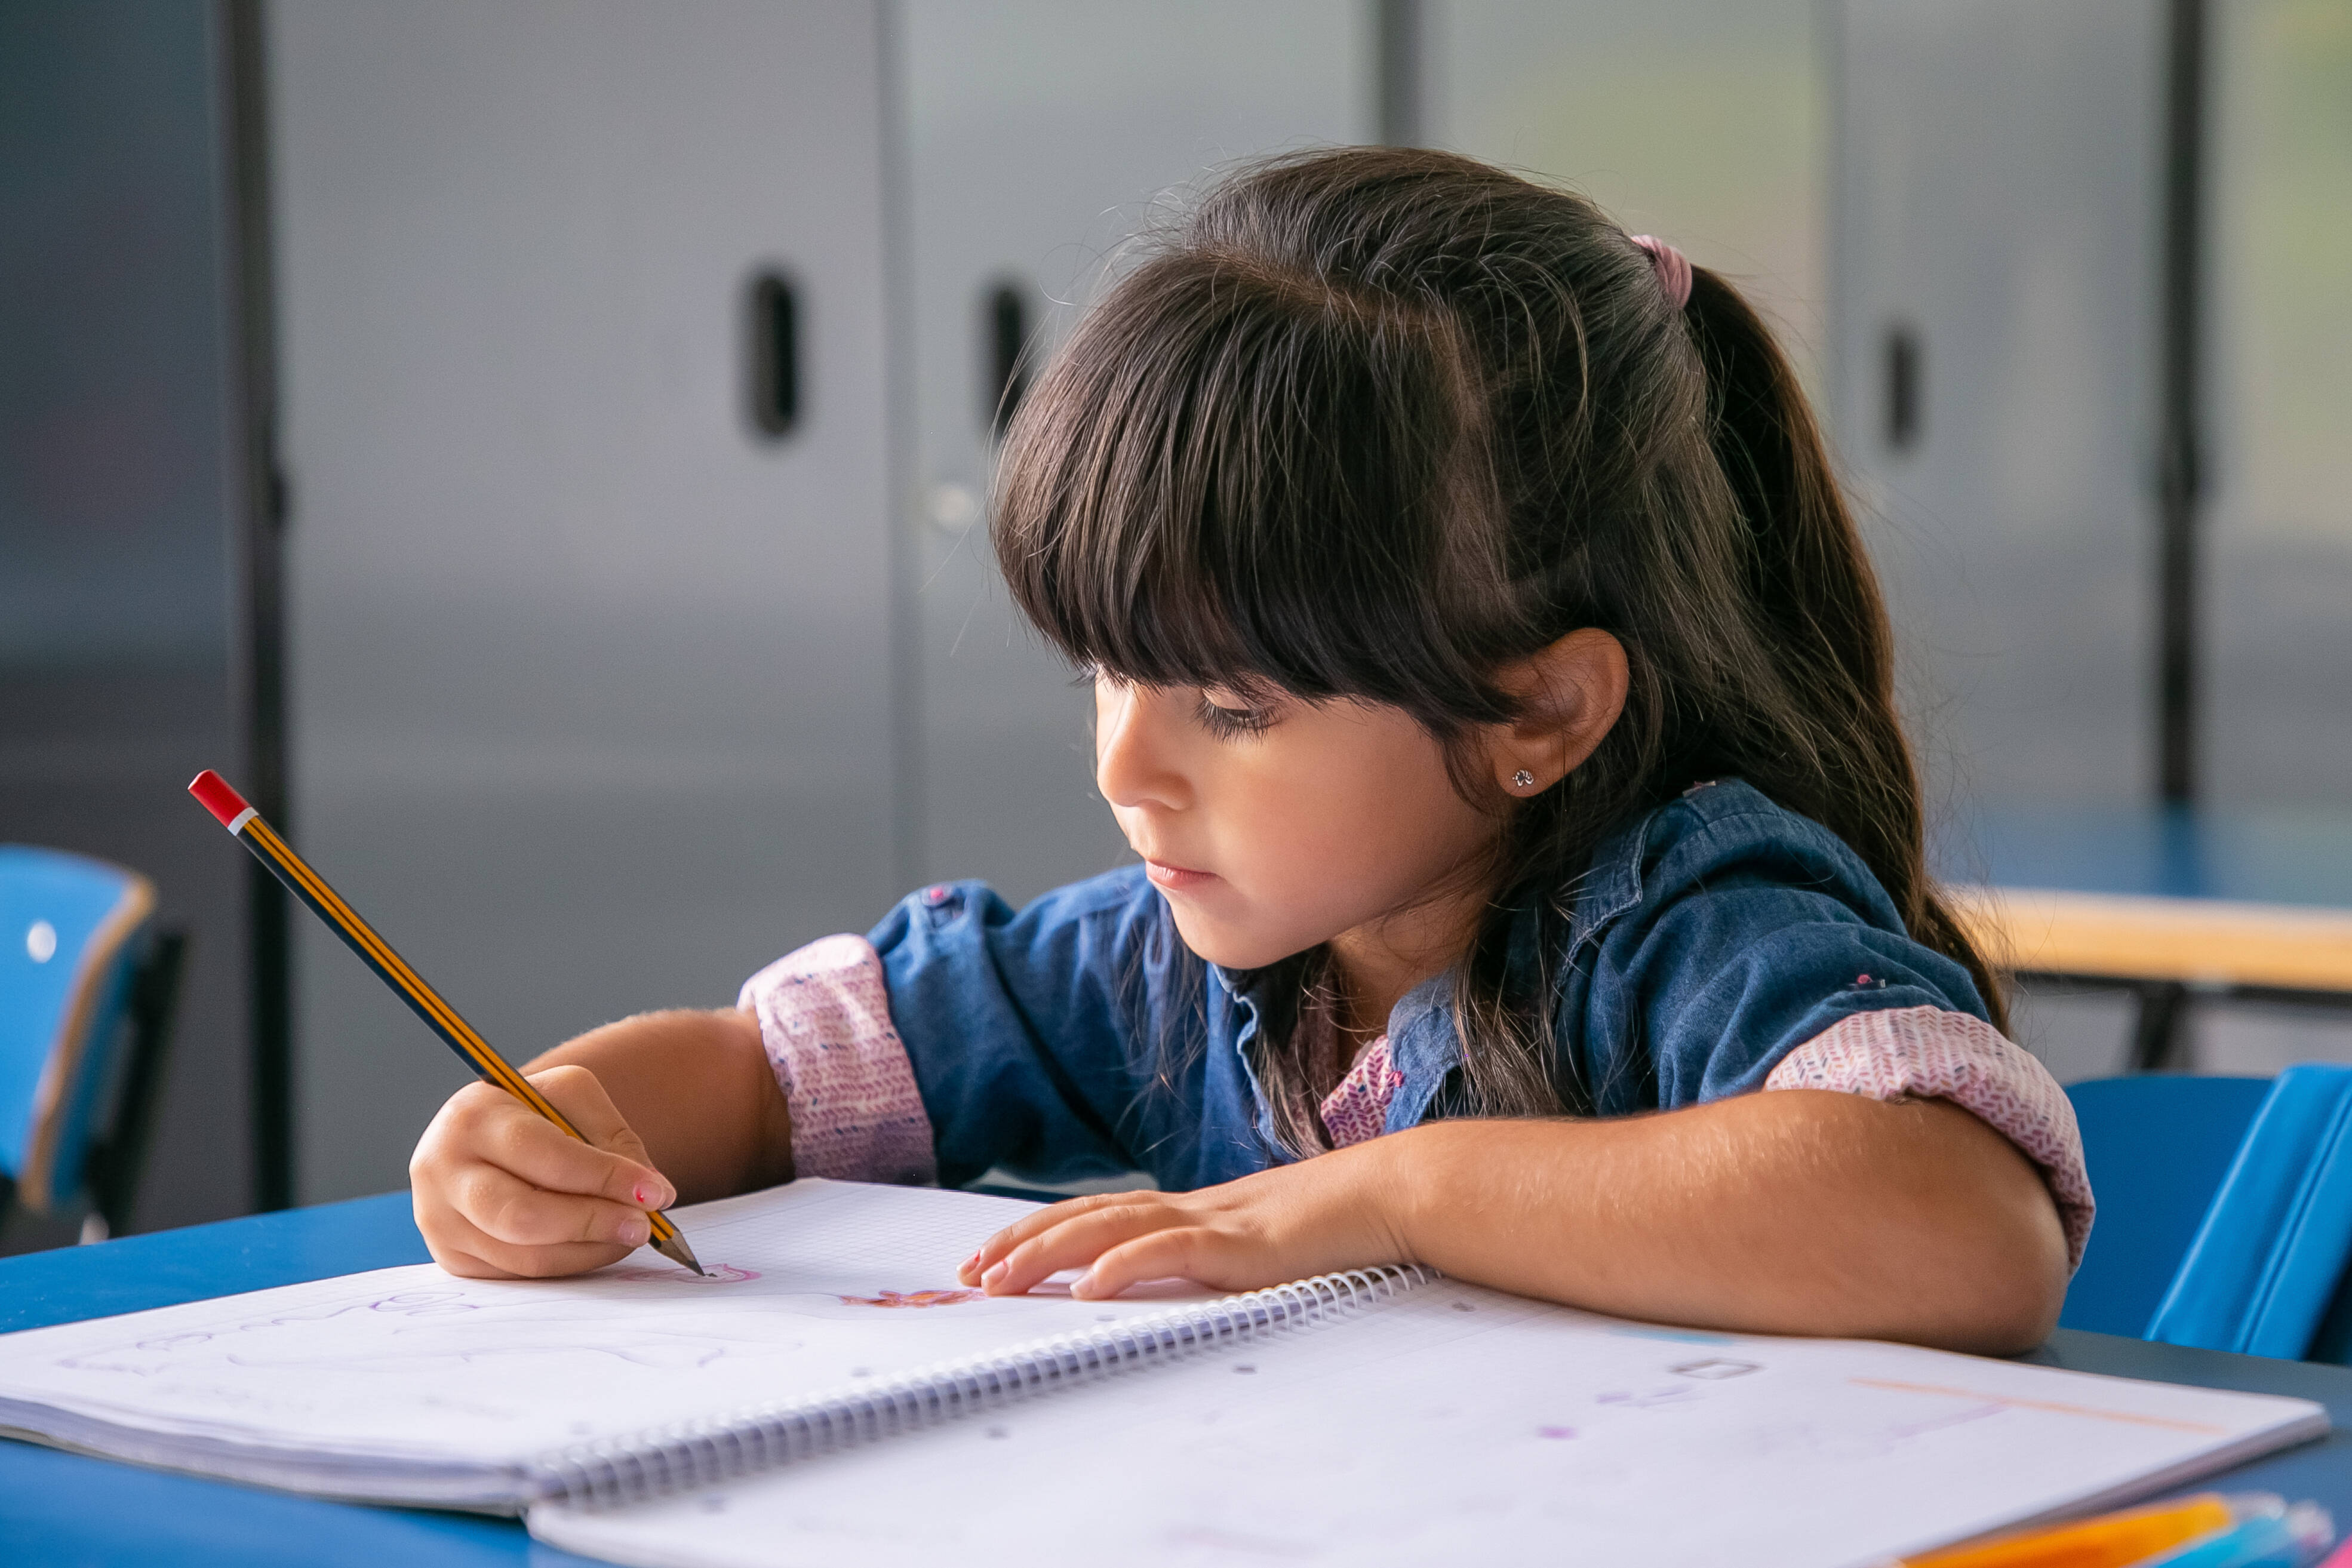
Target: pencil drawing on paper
point(916, 1298)
point(418, 1328)
point(712, 1274)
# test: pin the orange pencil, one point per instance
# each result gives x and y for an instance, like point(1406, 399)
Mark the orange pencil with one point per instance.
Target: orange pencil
point(307, 885)
point(2110, 1541)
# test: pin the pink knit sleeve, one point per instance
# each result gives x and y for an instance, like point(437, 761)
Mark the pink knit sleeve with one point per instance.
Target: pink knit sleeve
point(1929, 1053)
point(825, 1017)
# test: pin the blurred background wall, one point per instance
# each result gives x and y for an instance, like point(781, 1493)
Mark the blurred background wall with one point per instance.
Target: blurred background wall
point(635, 390)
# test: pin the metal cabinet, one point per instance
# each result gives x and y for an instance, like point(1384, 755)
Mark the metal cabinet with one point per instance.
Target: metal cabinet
point(1993, 352)
point(591, 652)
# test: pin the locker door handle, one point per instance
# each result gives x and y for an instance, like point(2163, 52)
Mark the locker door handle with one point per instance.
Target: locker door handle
point(775, 355)
point(1902, 353)
point(1005, 322)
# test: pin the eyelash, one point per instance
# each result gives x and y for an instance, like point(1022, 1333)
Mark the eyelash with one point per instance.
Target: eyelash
point(1225, 724)
point(1230, 723)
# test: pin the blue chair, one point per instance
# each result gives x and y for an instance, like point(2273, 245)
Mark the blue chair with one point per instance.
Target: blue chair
point(2265, 1272)
point(86, 987)
point(2158, 1148)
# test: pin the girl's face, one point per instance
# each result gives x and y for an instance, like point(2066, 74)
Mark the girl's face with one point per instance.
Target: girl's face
point(1272, 829)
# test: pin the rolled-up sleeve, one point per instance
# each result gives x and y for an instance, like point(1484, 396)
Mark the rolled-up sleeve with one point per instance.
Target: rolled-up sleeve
point(961, 1036)
point(1756, 933)
point(824, 1020)
point(1931, 1053)
point(1761, 954)
point(1030, 1033)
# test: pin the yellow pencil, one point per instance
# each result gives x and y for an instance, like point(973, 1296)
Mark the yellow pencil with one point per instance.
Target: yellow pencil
point(307, 885)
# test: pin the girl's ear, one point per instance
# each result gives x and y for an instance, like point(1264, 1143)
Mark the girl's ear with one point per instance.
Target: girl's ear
point(1573, 690)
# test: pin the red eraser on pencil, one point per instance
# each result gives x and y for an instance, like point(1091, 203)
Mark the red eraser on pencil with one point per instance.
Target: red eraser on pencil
point(213, 792)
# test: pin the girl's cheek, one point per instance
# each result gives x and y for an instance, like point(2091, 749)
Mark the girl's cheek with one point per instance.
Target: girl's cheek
point(1318, 863)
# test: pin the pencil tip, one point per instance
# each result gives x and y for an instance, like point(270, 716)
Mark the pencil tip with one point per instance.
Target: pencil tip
point(673, 1247)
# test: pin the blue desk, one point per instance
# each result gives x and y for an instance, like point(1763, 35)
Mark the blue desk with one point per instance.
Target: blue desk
point(2282, 856)
point(61, 1509)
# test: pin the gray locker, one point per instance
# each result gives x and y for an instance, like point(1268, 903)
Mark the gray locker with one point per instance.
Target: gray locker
point(1992, 345)
point(1040, 135)
point(592, 702)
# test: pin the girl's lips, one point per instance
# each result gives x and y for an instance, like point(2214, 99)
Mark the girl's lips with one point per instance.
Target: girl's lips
point(1176, 877)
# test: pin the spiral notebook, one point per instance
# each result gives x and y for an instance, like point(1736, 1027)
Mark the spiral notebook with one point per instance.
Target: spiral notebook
point(831, 1394)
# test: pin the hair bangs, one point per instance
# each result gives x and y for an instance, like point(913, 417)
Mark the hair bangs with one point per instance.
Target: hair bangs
point(1232, 476)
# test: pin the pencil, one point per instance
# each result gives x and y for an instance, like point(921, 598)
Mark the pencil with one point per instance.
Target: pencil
point(2111, 1541)
point(245, 823)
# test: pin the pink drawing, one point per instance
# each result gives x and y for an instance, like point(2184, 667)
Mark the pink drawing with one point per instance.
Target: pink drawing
point(915, 1299)
point(712, 1274)
point(1555, 1431)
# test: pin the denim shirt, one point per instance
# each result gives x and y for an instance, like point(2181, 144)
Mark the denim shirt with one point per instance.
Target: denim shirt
point(1074, 1038)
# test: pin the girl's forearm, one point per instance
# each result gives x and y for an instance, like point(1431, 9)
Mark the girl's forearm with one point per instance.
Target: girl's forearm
point(1793, 1212)
point(696, 1087)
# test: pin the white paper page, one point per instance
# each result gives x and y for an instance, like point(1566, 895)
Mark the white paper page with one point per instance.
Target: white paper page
point(1457, 1424)
point(816, 1286)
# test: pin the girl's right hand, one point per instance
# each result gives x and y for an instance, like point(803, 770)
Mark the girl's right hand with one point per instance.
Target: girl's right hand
point(502, 1192)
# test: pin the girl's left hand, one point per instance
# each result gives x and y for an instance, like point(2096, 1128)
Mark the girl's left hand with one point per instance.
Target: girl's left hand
point(1327, 1213)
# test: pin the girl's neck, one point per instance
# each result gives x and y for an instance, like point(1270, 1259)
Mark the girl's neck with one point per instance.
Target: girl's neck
point(1376, 964)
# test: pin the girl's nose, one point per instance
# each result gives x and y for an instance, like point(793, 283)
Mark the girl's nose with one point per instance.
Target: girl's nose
point(1133, 761)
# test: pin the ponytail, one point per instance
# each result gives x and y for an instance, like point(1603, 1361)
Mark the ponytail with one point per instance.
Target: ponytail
point(1818, 603)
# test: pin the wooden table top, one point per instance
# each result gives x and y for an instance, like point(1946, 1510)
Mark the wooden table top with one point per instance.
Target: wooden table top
point(2126, 936)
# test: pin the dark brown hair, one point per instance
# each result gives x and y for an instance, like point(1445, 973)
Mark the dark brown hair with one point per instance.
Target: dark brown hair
point(1374, 423)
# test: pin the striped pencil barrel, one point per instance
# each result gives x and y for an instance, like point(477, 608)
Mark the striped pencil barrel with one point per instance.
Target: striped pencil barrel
point(245, 823)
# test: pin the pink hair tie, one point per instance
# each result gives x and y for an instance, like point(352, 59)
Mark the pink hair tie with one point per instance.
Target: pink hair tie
point(1673, 268)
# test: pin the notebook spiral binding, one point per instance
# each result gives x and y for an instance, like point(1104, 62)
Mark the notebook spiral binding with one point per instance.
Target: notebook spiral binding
point(691, 1453)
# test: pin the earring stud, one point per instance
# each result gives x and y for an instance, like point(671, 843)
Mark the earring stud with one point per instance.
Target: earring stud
point(1522, 779)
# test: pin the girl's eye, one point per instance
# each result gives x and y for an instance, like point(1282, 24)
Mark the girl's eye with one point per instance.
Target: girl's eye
point(1227, 724)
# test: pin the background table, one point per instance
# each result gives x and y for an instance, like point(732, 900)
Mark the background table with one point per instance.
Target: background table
point(64, 1509)
point(2168, 904)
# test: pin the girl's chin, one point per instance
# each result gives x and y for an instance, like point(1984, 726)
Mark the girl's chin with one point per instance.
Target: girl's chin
point(1221, 944)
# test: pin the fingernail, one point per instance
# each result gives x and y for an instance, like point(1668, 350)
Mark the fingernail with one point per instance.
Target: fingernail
point(634, 1230)
point(996, 1275)
point(1084, 1284)
point(652, 1195)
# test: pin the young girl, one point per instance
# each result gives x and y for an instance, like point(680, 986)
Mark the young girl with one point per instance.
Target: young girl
point(1492, 685)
